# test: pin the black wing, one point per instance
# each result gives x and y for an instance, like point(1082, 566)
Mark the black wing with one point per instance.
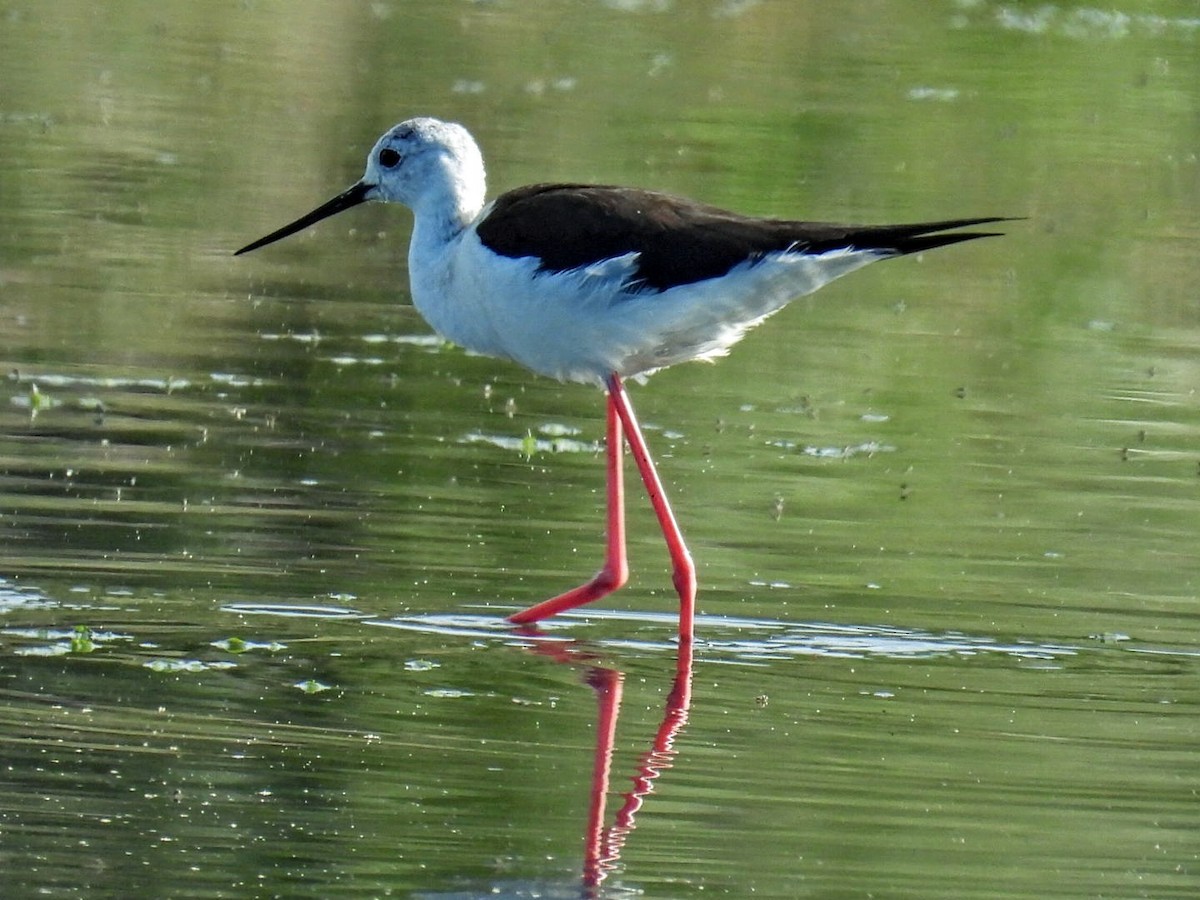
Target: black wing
point(678, 241)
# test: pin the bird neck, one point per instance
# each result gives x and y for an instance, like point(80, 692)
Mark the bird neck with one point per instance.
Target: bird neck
point(451, 202)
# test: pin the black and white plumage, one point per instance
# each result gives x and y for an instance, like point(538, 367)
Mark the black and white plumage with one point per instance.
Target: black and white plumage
point(594, 283)
point(579, 281)
point(677, 241)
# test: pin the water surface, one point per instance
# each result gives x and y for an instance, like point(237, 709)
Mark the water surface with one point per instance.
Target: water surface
point(259, 528)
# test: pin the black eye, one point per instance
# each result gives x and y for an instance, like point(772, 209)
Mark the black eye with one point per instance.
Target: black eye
point(389, 158)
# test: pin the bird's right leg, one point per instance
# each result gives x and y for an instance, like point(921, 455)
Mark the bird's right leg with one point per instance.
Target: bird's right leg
point(681, 558)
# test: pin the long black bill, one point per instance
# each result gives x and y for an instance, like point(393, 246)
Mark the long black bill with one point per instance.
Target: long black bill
point(343, 201)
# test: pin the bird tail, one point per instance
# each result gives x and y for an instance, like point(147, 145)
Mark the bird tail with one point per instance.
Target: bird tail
point(901, 240)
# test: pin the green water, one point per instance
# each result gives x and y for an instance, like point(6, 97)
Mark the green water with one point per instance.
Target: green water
point(258, 530)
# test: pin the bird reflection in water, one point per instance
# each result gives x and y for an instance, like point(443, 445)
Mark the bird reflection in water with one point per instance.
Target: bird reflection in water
point(603, 843)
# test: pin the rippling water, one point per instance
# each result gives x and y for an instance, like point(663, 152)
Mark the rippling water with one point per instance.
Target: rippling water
point(259, 528)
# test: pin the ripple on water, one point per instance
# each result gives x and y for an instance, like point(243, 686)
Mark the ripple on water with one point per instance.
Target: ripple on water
point(293, 610)
point(738, 640)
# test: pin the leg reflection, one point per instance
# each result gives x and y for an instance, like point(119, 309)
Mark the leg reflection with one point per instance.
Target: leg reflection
point(602, 845)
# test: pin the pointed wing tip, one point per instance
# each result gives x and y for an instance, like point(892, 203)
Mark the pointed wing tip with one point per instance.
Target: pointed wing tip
point(965, 223)
point(945, 236)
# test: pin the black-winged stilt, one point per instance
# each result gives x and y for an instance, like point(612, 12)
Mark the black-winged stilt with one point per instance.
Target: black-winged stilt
point(594, 284)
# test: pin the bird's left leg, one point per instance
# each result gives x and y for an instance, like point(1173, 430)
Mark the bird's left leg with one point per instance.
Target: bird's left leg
point(615, 571)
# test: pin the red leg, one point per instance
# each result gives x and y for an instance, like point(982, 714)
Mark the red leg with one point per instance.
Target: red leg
point(615, 571)
point(681, 559)
point(597, 862)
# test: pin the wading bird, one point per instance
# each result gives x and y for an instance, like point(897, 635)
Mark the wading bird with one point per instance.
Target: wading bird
point(595, 284)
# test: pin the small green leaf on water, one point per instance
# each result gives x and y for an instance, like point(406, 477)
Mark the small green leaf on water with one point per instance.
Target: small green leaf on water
point(240, 645)
point(420, 665)
point(81, 640)
point(528, 445)
point(177, 666)
point(312, 686)
point(35, 401)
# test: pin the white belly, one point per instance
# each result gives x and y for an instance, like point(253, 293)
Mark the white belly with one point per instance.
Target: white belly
point(582, 325)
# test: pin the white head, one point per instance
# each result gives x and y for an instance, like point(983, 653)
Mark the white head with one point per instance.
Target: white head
point(432, 167)
point(424, 161)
